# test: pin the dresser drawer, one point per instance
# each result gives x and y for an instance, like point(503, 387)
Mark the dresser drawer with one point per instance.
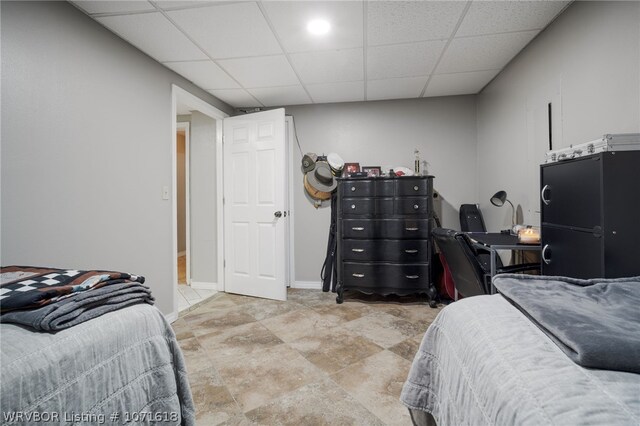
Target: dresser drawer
point(410, 251)
point(412, 205)
point(385, 228)
point(367, 206)
point(388, 275)
point(412, 187)
point(367, 188)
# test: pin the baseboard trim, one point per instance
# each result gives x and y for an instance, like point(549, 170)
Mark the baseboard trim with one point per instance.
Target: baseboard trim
point(314, 285)
point(200, 285)
point(171, 317)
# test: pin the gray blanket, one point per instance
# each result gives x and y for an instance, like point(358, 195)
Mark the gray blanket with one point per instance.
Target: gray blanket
point(81, 307)
point(124, 367)
point(595, 322)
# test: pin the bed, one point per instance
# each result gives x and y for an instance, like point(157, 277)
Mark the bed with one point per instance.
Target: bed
point(483, 361)
point(122, 367)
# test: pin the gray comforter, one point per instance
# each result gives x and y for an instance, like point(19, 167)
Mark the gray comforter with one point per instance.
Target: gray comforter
point(123, 367)
point(595, 322)
point(482, 362)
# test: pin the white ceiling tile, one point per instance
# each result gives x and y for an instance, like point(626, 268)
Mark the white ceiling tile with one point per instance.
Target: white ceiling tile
point(228, 31)
point(101, 6)
point(263, 71)
point(395, 88)
point(236, 97)
point(463, 83)
point(489, 17)
point(182, 4)
point(329, 66)
point(406, 21)
point(290, 19)
point(279, 96)
point(205, 74)
point(483, 52)
point(349, 91)
point(403, 60)
point(153, 34)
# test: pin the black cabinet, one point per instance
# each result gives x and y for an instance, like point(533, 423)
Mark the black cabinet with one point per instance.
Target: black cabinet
point(383, 232)
point(590, 214)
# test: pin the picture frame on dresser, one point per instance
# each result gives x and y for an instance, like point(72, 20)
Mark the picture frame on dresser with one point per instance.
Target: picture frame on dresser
point(350, 168)
point(372, 171)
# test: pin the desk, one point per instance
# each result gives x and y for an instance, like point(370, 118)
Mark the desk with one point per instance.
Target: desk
point(494, 241)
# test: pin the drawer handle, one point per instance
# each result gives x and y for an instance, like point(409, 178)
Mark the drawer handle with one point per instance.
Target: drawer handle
point(411, 229)
point(416, 207)
point(358, 275)
point(546, 201)
point(353, 188)
point(546, 259)
point(411, 251)
point(412, 277)
point(357, 228)
point(415, 188)
point(357, 250)
point(353, 206)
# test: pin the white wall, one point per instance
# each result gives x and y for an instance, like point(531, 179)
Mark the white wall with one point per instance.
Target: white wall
point(377, 134)
point(86, 147)
point(587, 63)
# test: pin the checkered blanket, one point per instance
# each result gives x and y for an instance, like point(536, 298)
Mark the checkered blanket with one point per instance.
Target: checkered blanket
point(26, 287)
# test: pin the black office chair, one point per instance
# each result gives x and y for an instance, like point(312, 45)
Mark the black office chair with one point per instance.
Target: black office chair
point(471, 220)
point(469, 276)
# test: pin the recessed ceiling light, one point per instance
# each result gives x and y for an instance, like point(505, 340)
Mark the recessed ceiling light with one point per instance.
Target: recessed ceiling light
point(318, 27)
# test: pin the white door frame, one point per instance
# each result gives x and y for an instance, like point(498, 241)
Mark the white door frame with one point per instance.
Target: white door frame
point(195, 103)
point(289, 142)
point(184, 125)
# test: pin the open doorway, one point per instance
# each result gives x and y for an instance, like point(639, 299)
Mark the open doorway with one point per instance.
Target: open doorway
point(197, 204)
point(183, 257)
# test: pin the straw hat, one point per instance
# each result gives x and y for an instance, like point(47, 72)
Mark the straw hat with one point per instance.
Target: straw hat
point(320, 182)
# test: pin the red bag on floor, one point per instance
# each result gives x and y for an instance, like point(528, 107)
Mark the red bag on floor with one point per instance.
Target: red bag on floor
point(446, 288)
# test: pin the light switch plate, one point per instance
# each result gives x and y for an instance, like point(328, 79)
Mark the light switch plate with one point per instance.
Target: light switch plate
point(165, 192)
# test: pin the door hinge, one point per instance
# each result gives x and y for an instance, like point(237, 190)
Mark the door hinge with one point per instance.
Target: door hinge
point(223, 201)
point(224, 263)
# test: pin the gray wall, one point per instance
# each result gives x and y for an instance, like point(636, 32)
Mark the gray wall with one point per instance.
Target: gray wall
point(202, 198)
point(587, 63)
point(384, 133)
point(86, 147)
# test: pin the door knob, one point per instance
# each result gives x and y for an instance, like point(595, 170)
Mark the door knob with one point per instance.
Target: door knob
point(278, 214)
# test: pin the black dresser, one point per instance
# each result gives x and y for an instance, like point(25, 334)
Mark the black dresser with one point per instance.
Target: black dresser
point(383, 231)
point(591, 216)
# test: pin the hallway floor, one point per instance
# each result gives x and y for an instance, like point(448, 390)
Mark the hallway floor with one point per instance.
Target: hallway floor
point(189, 297)
point(305, 361)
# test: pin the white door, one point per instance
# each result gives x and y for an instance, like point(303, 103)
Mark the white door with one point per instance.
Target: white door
point(255, 204)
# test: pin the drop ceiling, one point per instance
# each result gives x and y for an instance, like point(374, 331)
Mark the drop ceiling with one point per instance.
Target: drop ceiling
point(259, 53)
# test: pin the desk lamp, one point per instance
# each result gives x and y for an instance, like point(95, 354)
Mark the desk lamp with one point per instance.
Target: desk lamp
point(498, 200)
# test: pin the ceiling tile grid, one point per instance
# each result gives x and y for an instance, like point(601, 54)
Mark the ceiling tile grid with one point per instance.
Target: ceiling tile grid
point(259, 53)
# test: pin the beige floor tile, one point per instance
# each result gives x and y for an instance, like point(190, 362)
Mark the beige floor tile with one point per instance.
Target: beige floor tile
point(182, 329)
point(384, 329)
point(297, 324)
point(196, 358)
point(320, 403)
point(407, 349)
point(376, 382)
point(229, 345)
point(216, 321)
point(419, 314)
point(263, 309)
point(333, 349)
point(309, 297)
point(258, 379)
point(342, 313)
point(214, 403)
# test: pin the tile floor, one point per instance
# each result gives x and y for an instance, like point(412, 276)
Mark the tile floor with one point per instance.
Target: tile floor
point(189, 297)
point(307, 361)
